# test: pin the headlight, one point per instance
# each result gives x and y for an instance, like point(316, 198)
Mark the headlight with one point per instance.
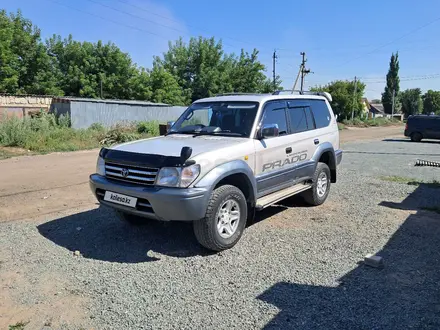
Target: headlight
point(168, 176)
point(100, 166)
point(189, 174)
point(178, 177)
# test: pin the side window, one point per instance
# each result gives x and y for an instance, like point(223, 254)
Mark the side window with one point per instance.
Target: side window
point(320, 113)
point(275, 113)
point(298, 120)
point(310, 120)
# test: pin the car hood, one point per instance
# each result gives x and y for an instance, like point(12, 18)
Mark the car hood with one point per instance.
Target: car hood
point(171, 145)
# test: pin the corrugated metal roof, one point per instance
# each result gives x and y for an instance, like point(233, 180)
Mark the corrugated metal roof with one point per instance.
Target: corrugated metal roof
point(128, 102)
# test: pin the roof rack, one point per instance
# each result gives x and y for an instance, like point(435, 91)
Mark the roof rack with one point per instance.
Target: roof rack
point(229, 94)
point(290, 91)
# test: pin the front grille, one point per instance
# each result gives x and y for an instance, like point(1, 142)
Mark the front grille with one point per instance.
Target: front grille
point(141, 205)
point(130, 173)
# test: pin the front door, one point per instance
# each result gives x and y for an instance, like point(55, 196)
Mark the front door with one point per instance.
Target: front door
point(305, 136)
point(271, 152)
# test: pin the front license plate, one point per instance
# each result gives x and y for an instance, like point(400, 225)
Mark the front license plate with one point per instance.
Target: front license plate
point(120, 199)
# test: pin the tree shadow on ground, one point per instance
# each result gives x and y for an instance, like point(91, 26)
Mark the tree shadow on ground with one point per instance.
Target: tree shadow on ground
point(405, 294)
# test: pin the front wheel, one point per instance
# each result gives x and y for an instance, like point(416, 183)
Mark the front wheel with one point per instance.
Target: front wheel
point(320, 187)
point(224, 221)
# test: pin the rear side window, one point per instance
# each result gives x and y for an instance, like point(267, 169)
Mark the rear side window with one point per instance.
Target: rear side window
point(320, 113)
point(298, 120)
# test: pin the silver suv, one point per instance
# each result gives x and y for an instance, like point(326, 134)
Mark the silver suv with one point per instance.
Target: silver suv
point(223, 159)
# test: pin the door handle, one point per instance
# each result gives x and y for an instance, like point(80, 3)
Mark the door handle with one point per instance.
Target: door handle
point(288, 150)
point(316, 141)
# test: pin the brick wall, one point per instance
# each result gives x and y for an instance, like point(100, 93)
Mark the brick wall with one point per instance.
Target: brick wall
point(23, 105)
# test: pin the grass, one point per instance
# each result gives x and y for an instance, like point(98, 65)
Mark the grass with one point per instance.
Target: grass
point(47, 133)
point(381, 121)
point(18, 325)
point(412, 182)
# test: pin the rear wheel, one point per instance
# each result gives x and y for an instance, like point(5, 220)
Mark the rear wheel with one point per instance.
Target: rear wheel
point(416, 137)
point(224, 221)
point(130, 218)
point(321, 186)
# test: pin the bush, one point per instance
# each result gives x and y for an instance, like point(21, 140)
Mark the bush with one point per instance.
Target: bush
point(118, 134)
point(148, 127)
point(45, 133)
point(380, 121)
point(64, 120)
point(97, 127)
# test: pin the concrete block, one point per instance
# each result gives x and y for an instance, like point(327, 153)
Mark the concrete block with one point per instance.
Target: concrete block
point(373, 261)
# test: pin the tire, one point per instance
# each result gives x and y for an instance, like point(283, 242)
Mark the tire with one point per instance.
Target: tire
point(211, 232)
point(316, 196)
point(416, 137)
point(130, 218)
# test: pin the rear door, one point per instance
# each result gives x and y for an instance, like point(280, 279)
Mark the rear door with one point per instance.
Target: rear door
point(436, 128)
point(326, 126)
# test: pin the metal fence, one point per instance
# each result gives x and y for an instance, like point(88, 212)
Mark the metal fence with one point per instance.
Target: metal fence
point(85, 112)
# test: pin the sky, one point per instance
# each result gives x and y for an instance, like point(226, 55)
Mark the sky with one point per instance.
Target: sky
point(342, 38)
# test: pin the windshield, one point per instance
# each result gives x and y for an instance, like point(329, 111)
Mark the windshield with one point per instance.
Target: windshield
point(218, 118)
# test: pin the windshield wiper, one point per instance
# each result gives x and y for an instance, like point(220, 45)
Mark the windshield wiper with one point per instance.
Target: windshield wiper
point(184, 132)
point(226, 133)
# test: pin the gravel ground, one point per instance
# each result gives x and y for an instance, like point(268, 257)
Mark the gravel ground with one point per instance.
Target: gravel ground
point(296, 267)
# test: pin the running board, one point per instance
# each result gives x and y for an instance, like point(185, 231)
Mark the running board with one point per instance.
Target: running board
point(277, 196)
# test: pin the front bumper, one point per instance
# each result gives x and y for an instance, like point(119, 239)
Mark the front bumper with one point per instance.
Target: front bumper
point(154, 202)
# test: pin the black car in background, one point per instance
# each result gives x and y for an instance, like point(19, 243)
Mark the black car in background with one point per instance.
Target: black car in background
point(420, 127)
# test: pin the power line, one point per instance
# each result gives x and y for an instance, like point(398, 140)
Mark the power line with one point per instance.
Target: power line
point(128, 25)
point(176, 21)
point(393, 41)
point(108, 19)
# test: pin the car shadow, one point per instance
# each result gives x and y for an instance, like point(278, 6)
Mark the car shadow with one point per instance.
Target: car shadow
point(408, 140)
point(404, 294)
point(99, 234)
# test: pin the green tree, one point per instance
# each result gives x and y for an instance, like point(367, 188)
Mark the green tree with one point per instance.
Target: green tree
point(25, 65)
point(431, 102)
point(248, 76)
point(140, 85)
point(202, 69)
point(393, 84)
point(165, 87)
point(411, 100)
point(85, 66)
point(344, 100)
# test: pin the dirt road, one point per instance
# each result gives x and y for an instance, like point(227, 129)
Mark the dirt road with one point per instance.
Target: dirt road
point(37, 185)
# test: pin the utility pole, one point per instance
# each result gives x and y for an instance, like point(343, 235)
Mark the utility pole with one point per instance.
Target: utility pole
point(274, 57)
point(392, 108)
point(303, 69)
point(354, 98)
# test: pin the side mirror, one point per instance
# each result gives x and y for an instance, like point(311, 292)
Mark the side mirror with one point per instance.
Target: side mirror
point(169, 125)
point(269, 131)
